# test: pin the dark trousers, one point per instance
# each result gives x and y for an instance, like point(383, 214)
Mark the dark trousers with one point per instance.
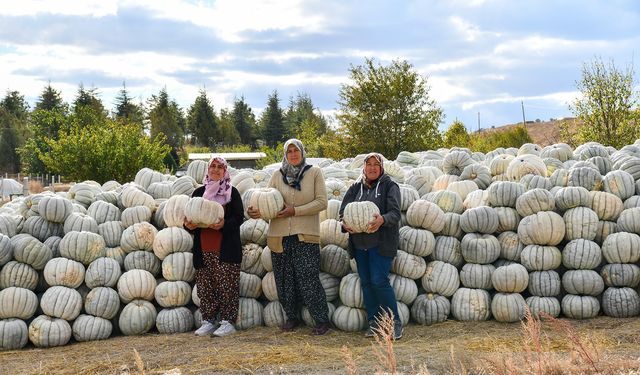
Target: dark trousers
point(297, 275)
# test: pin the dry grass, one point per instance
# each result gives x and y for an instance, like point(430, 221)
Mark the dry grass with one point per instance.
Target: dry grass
point(448, 348)
point(543, 133)
point(35, 187)
point(539, 354)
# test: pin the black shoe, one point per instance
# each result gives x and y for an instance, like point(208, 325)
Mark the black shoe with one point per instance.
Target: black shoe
point(320, 329)
point(290, 325)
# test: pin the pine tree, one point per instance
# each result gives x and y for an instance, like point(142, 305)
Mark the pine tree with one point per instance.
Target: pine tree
point(46, 121)
point(272, 122)
point(301, 110)
point(165, 116)
point(126, 110)
point(50, 99)
point(202, 123)
point(228, 134)
point(244, 122)
point(88, 108)
point(14, 114)
point(15, 104)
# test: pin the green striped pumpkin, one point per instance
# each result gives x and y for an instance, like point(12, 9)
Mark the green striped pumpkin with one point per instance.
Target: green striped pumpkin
point(91, 328)
point(471, 305)
point(508, 307)
point(47, 332)
point(547, 305)
point(430, 309)
point(174, 320)
point(358, 215)
point(621, 275)
point(581, 254)
point(544, 283)
point(268, 201)
point(620, 302)
point(14, 334)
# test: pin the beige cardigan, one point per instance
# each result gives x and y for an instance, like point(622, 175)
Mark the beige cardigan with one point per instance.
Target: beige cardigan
point(308, 203)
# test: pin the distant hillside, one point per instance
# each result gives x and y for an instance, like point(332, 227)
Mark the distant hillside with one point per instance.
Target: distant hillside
point(543, 133)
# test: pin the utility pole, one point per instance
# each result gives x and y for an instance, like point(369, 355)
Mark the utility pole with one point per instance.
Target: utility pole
point(524, 122)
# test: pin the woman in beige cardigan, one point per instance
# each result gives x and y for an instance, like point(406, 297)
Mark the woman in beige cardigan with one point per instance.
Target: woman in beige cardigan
point(294, 238)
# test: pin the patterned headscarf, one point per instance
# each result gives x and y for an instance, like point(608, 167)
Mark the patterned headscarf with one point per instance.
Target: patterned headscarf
point(292, 174)
point(380, 160)
point(219, 191)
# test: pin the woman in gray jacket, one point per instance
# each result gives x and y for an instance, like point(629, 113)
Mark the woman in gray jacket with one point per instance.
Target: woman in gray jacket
point(374, 250)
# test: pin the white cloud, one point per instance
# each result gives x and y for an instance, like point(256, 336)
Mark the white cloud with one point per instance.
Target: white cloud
point(235, 79)
point(557, 98)
point(92, 8)
point(447, 89)
point(229, 18)
point(61, 58)
point(283, 57)
point(544, 46)
point(469, 31)
point(447, 65)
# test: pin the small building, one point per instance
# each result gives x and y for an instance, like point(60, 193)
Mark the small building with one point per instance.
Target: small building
point(237, 160)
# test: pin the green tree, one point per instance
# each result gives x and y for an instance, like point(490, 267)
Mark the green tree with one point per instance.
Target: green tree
point(456, 135)
point(14, 114)
point(228, 134)
point(273, 155)
point(165, 117)
point(113, 151)
point(46, 121)
point(45, 124)
point(50, 99)
point(126, 110)
point(312, 134)
point(388, 109)
point(87, 108)
point(606, 107)
point(15, 104)
point(88, 98)
point(202, 123)
point(11, 139)
point(487, 141)
point(272, 122)
point(301, 110)
point(244, 122)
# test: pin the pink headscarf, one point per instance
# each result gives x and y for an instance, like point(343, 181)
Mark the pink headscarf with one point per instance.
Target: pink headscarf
point(218, 191)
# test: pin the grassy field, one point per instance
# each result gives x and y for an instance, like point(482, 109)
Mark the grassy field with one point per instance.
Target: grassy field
point(603, 345)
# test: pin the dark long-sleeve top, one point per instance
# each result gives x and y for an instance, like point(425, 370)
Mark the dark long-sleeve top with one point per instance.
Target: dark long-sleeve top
point(386, 195)
point(231, 247)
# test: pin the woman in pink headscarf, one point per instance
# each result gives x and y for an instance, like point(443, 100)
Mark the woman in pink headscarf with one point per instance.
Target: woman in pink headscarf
point(217, 253)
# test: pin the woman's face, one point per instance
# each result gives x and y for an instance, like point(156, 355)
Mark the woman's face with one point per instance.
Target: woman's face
point(372, 169)
point(215, 171)
point(294, 156)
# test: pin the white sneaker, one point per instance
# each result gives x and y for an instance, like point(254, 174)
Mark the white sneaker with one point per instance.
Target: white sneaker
point(225, 328)
point(205, 329)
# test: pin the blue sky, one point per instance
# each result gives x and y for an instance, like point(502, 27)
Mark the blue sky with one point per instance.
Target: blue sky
point(479, 56)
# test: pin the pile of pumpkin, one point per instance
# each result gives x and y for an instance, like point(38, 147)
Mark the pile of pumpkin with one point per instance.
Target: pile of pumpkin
point(482, 236)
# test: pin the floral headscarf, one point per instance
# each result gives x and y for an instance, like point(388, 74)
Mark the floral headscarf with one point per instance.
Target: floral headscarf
point(218, 191)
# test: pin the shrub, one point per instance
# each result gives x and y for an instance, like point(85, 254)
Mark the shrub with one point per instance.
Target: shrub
point(106, 152)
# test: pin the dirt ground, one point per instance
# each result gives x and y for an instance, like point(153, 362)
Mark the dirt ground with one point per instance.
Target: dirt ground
point(448, 348)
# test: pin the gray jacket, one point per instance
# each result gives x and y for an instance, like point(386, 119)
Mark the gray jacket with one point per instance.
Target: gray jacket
point(386, 195)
